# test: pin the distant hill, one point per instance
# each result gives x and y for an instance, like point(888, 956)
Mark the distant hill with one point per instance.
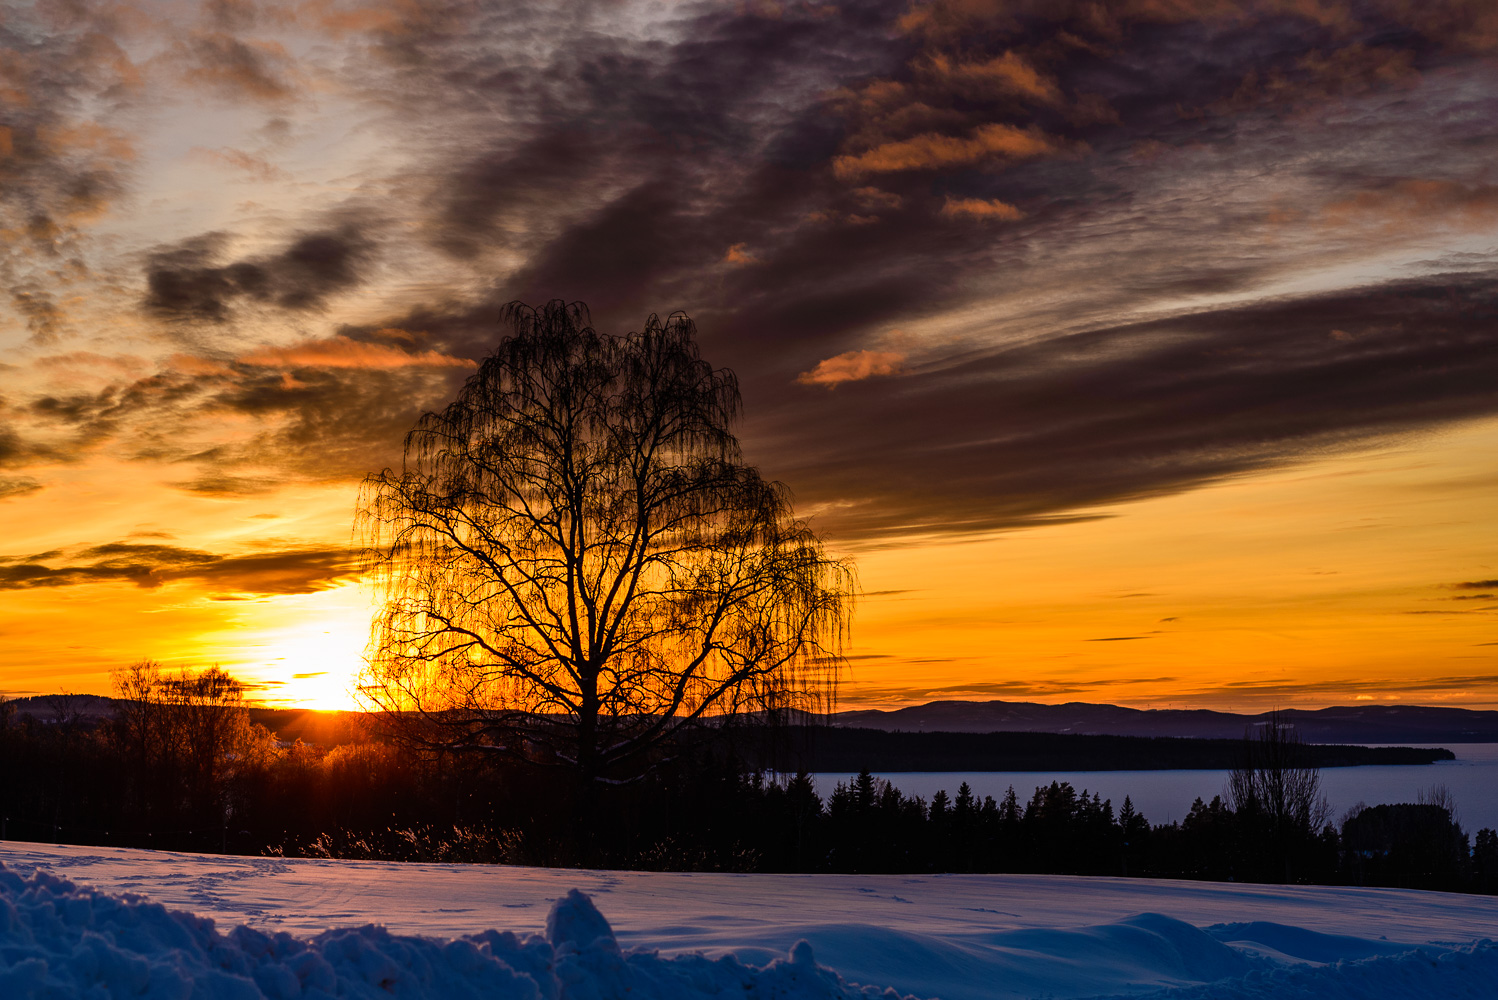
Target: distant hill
point(1351, 724)
point(325, 728)
point(1398, 724)
point(64, 707)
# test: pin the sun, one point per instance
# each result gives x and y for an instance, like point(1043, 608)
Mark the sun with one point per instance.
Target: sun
point(309, 650)
point(318, 666)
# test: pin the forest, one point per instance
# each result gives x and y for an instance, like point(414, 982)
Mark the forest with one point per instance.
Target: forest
point(824, 749)
point(179, 764)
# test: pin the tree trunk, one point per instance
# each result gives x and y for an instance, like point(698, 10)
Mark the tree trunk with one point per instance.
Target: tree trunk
point(588, 767)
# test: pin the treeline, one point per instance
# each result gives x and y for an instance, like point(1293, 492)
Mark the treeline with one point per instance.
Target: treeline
point(180, 765)
point(868, 825)
point(823, 749)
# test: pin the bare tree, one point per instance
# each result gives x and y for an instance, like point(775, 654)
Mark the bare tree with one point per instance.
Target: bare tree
point(575, 563)
point(1276, 790)
point(140, 723)
point(186, 735)
point(1439, 795)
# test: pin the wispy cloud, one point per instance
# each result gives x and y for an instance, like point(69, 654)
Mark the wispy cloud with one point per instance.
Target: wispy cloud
point(853, 366)
point(237, 68)
point(981, 208)
point(934, 151)
point(342, 352)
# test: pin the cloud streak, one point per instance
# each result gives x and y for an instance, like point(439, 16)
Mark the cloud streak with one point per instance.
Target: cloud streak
point(292, 571)
point(1120, 413)
point(343, 352)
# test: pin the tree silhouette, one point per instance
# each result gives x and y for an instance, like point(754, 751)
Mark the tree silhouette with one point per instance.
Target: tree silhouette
point(185, 737)
point(575, 563)
point(1276, 792)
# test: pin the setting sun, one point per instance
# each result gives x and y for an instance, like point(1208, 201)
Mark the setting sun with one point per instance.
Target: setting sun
point(309, 650)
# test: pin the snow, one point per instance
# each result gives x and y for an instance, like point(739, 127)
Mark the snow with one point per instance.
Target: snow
point(218, 927)
point(57, 940)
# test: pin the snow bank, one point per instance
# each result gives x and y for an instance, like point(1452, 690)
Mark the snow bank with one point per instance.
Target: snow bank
point(60, 941)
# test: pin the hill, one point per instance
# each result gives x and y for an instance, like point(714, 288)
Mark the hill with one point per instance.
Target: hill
point(1351, 724)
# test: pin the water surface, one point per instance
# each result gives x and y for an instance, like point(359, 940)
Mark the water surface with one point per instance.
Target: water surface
point(1163, 796)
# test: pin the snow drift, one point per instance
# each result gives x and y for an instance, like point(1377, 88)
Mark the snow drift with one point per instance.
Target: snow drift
point(61, 941)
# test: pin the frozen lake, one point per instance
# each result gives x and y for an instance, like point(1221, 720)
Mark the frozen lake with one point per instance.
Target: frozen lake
point(1163, 796)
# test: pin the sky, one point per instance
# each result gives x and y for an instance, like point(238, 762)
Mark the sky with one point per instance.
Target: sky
point(1138, 351)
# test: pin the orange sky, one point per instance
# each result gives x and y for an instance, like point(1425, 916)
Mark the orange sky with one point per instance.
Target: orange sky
point(1145, 355)
point(1331, 582)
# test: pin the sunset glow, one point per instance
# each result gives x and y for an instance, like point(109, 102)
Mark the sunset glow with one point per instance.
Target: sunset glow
point(1145, 356)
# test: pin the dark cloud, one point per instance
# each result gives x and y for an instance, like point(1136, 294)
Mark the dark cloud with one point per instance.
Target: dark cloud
point(301, 276)
point(1025, 433)
point(622, 165)
point(291, 571)
point(1037, 688)
point(18, 452)
point(221, 484)
point(320, 410)
point(1477, 585)
point(702, 172)
point(1380, 687)
point(485, 200)
point(1232, 691)
point(1049, 429)
point(334, 422)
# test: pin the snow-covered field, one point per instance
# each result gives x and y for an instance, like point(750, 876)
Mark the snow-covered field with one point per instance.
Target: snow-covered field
point(283, 929)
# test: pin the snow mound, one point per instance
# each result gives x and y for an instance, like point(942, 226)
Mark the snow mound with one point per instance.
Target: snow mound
point(1143, 952)
point(1468, 972)
point(1296, 944)
point(59, 941)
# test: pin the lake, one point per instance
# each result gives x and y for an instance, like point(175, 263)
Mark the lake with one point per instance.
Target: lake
point(1163, 796)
